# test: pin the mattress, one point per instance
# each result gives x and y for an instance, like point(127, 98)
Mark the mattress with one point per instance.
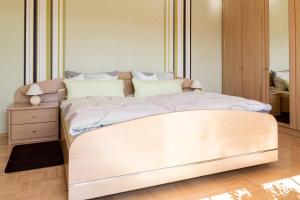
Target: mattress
point(89, 113)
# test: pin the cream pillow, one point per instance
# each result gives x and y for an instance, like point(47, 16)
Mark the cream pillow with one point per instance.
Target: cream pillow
point(153, 88)
point(78, 88)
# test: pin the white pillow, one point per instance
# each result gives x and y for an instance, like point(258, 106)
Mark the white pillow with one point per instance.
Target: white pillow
point(80, 77)
point(100, 76)
point(149, 76)
point(165, 76)
point(92, 76)
point(145, 76)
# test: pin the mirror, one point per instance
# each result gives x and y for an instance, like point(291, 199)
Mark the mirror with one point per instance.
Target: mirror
point(279, 60)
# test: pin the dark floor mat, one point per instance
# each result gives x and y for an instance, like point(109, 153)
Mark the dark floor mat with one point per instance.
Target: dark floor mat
point(34, 156)
point(284, 118)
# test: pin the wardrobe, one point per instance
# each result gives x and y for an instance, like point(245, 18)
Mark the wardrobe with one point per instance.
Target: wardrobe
point(243, 45)
point(296, 54)
point(250, 54)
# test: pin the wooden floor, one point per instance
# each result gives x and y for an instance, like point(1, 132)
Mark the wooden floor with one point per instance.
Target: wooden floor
point(280, 180)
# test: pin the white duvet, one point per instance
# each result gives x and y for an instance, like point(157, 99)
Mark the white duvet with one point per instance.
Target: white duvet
point(89, 113)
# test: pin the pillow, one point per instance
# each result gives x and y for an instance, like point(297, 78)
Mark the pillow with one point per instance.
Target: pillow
point(101, 76)
point(281, 79)
point(280, 84)
point(80, 77)
point(92, 76)
point(153, 88)
point(148, 76)
point(165, 76)
point(71, 74)
point(77, 88)
point(145, 76)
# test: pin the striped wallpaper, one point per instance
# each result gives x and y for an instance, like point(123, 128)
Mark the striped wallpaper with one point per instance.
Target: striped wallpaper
point(44, 41)
point(44, 49)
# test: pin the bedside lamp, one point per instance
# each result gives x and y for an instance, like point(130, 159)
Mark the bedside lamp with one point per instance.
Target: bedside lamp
point(34, 91)
point(196, 85)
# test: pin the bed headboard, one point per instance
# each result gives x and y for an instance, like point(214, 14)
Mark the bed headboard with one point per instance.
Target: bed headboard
point(55, 90)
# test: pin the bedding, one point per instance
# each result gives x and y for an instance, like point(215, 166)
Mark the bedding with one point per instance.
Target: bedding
point(89, 113)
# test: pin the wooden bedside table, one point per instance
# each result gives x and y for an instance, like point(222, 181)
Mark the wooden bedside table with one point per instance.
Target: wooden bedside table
point(30, 124)
point(275, 102)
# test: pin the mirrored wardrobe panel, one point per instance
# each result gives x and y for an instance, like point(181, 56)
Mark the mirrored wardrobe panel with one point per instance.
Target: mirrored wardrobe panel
point(279, 63)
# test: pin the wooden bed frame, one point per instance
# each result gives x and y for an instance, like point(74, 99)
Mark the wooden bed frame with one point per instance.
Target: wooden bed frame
point(160, 149)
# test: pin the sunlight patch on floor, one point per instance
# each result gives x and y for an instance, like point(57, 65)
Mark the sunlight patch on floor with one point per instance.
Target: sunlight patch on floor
point(288, 188)
point(236, 194)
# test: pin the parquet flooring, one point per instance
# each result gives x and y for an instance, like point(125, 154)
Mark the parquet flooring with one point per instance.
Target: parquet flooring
point(280, 180)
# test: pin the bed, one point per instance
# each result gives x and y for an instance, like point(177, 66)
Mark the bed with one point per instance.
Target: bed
point(162, 148)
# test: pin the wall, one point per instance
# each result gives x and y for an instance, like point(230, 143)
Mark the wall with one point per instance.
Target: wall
point(114, 34)
point(279, 35)
point(11, 53)
point(206, 43)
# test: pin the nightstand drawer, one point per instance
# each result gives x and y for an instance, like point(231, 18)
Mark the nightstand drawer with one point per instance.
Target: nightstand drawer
point(274, 98)
point(275, 107)
point(34, 116)
point(38, 130)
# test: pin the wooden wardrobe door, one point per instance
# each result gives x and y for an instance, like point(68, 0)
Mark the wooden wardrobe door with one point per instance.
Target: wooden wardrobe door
point(232, 47)
point(252, 42)
point(297, 54)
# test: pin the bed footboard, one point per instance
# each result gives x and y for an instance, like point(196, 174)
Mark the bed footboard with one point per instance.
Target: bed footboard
point(167, 148)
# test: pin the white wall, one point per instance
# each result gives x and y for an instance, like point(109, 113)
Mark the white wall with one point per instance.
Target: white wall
point(11, 53)
point(279, 35)
point(114, 34)
point(207, 43)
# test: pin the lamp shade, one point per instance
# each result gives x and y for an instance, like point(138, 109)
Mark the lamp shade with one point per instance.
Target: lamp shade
point(34, 90)
point(196, 84)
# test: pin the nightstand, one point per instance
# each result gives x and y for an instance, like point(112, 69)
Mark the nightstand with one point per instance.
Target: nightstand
point(275, 102)
point(31, 124)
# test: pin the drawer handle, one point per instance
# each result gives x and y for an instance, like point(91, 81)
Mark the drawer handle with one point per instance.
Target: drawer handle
point(34, 116)
point(34, 130)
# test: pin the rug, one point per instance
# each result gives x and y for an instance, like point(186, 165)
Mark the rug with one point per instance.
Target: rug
point(34, 156)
